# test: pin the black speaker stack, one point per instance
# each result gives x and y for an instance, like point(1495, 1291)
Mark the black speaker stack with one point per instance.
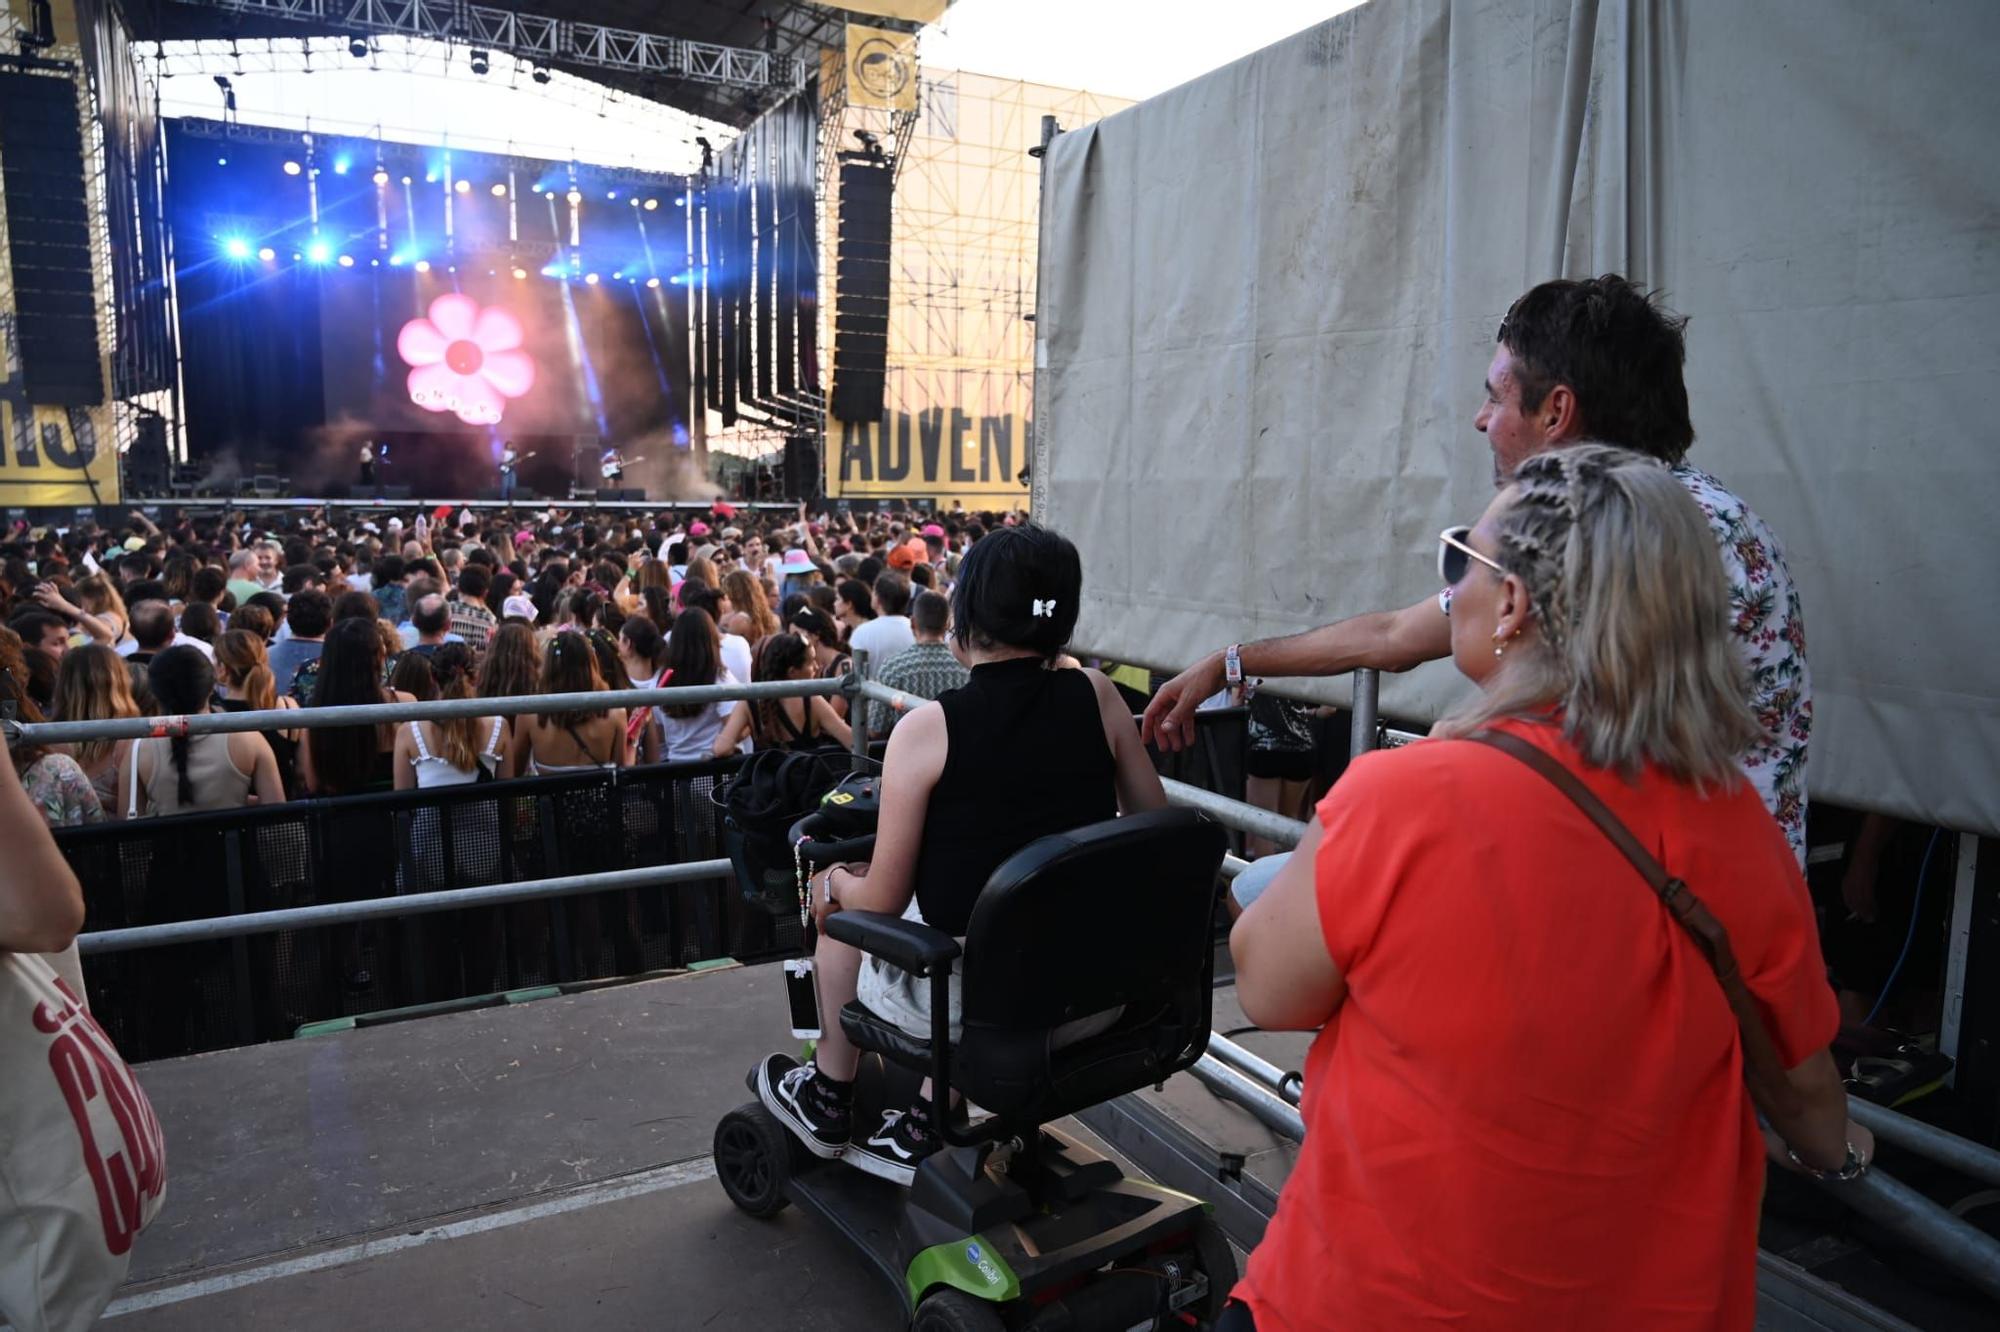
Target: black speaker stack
point(801, 477)
point(48, 240)
point(861, 265)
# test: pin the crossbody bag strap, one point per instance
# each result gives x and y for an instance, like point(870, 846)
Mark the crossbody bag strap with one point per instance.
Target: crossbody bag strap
point(1763, 1068)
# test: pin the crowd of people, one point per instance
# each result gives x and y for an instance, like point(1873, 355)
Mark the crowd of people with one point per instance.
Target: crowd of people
point(236, 612)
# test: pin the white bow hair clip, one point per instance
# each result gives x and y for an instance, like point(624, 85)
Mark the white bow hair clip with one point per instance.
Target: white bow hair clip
point(1044, 609)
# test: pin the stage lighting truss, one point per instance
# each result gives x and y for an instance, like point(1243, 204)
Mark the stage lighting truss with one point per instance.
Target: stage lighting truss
point(536, 38)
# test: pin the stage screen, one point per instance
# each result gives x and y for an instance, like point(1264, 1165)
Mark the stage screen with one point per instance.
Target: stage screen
point(338, 291)
point(496, 357)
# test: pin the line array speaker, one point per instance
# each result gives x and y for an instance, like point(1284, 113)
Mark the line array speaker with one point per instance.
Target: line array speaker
point(48, 240)
point(861, 267)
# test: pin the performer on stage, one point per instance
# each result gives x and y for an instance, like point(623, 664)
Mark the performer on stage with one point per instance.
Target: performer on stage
point(612, 466)
point(508, 459)
point(368, 466)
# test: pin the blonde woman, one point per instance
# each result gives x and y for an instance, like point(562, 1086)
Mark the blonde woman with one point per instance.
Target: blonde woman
point(458, 750)
point(98, 609)
point(746, 597)
point(1509, 1018)
point(243, 671)
point(93, 684)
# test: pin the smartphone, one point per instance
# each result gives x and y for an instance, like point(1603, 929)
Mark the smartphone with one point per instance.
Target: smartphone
point(802, 990)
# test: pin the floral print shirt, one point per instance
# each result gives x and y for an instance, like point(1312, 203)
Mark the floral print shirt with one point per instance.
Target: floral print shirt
point(1770, 629)
point(61, 793)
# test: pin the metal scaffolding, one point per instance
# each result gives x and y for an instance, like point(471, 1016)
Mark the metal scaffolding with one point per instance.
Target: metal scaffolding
point(538, 38)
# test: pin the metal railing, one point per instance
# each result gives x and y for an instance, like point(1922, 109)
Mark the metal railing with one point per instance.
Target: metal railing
point(409, 904)
point(385, 714)
point(210, 928)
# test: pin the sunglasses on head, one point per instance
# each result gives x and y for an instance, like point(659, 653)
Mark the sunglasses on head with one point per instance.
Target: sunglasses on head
point(1455, 556)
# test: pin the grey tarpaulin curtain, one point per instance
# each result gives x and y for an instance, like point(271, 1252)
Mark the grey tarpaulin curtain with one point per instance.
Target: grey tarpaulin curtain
point(1268, 297)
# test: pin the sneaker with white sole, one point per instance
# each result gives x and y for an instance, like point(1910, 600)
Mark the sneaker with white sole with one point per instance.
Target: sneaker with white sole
point(803, 1102)
point(894, 1151)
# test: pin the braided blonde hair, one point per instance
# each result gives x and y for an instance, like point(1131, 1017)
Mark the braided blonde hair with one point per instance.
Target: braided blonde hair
point(1632, 605)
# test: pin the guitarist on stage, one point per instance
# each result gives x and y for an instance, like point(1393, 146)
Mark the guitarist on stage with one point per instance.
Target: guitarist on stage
point(611, 466)
point(509, 461)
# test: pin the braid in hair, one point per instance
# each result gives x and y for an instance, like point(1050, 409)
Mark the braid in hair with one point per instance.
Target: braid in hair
point(184, 785)
point(1536, 545)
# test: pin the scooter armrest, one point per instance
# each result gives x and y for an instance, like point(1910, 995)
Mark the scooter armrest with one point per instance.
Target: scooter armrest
point(915, 947)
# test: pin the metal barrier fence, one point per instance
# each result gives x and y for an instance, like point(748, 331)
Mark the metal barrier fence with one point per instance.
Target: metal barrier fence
point(386, 714)
point(264, 918)
point(222, 929)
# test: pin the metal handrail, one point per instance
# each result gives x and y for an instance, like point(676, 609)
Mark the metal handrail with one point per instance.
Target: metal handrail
point(384, 714)
point(210, 928)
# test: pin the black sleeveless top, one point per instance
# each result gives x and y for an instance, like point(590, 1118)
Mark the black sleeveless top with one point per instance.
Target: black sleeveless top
point(284, 750)
point(1026, 757)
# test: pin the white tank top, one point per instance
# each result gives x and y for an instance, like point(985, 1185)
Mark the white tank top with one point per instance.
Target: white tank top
point(433, 770)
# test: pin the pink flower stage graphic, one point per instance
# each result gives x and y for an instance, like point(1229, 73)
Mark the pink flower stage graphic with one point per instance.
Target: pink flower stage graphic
point(465, 360)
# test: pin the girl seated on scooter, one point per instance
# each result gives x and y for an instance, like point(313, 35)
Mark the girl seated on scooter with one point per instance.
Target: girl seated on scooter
point(1022, 750)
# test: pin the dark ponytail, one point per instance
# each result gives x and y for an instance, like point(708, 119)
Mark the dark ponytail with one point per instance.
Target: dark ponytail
point(184, 683)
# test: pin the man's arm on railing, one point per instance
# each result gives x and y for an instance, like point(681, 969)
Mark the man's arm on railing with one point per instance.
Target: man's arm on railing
point(41, 903)
point(1382, 640)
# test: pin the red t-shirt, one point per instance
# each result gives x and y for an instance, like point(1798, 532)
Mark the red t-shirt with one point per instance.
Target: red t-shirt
point(1529, 1109)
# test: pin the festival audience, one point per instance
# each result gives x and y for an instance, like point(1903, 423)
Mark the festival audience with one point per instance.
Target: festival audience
point(308, 615)
point(923, 670)
point(693, 658)
point(573, 740)
point(881, 638)
point(185, 773)
point(456, 751)
point(56, 784)
point(783, 723)
point(246, 683)
point(349, 760)
point(94, 684)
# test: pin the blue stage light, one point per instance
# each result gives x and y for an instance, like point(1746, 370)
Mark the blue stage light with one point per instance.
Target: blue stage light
point(236, 247)
point(319, 252)
point(222, 161)
point(552, 270)
point(395, 261)
point(340, 165)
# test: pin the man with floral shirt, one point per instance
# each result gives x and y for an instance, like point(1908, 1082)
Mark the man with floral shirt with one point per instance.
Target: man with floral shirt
point(1577, 360)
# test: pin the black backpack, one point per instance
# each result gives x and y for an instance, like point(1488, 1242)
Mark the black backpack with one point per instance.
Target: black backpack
point(774, 789)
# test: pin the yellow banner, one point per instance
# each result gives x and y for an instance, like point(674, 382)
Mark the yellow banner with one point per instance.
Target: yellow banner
point(53, 455)
point(942, 453)
point(881, 68)
point(915, 11)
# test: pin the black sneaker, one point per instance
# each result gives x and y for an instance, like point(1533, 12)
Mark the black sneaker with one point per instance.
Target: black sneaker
point(894, 1151)
point(804, 1103)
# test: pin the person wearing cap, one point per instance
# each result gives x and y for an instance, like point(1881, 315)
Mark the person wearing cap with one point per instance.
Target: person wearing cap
point(518, 607)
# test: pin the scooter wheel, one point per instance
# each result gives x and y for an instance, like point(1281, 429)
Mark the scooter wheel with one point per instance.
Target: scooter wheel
point(955, 1311)
point(1218, 1264)
point(753, 1159)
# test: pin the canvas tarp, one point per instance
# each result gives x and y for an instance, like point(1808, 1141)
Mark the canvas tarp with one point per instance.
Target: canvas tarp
point(1268, 299)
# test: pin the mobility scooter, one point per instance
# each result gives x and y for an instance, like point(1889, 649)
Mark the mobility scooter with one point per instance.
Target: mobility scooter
point(1013, 1225)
